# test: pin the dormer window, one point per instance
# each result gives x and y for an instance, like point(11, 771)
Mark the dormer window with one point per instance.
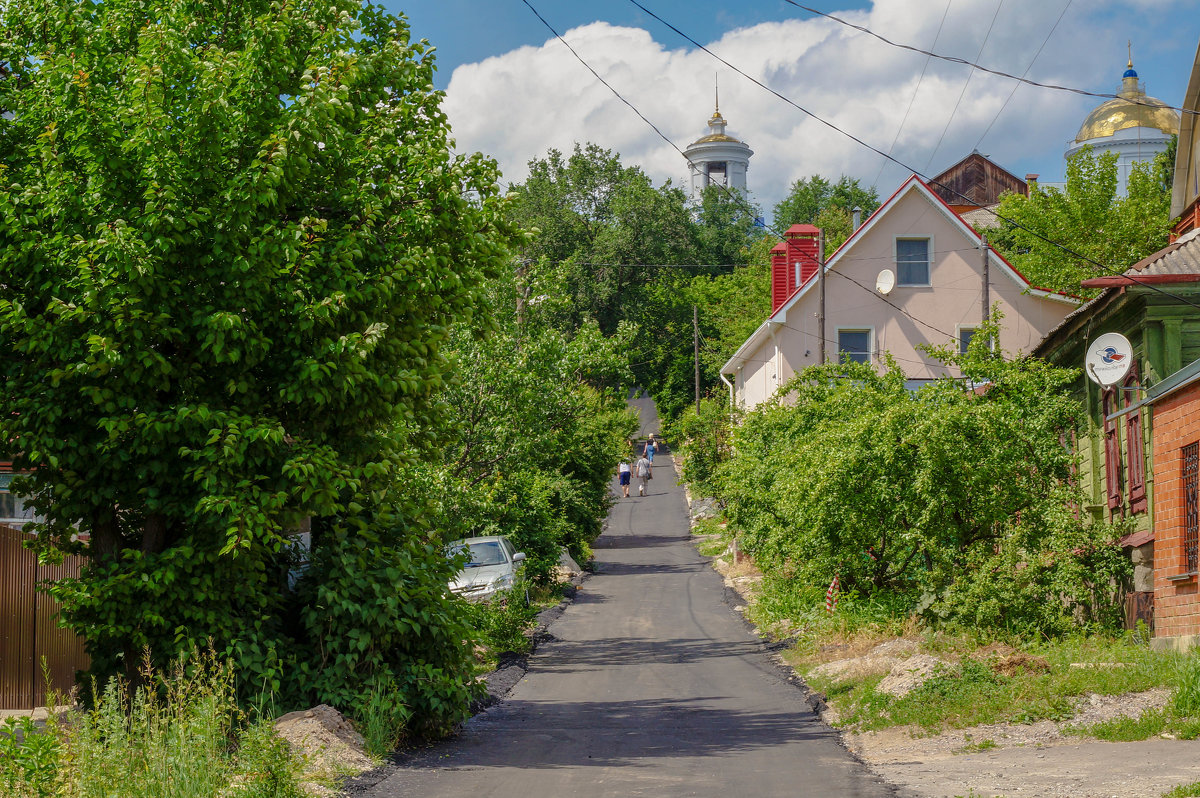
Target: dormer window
point(912, 261)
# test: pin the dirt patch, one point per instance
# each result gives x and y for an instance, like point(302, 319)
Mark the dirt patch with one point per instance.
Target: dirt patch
point(330, 746)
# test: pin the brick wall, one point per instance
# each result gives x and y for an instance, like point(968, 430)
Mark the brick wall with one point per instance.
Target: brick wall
point(1176, 602)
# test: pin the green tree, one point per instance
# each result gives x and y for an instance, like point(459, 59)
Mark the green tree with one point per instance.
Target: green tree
point(726, 229)
point(1041, 234)
point(605, 226)
point(808, 197)
point(233, 239)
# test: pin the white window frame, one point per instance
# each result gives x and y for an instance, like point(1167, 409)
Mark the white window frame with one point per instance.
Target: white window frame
point(14, 521)
point(958, 330)
point(928, 260)
point(870, 331)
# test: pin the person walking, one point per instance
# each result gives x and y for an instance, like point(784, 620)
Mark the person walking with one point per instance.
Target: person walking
point(623, 472)
point(651, 448)
point(644, 472)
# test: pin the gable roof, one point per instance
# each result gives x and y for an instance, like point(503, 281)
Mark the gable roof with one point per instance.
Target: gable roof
point(976, 180)
point(1178, 262)
point(913, 184)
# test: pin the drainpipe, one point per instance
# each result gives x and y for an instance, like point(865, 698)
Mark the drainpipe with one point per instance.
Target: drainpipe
point(732, 398)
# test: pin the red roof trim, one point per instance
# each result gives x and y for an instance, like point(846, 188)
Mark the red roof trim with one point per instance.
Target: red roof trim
point(1118, 280)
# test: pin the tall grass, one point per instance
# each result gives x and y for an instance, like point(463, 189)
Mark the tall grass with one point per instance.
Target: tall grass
point(181, 736)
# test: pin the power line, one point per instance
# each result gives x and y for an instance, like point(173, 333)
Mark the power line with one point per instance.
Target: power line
point(916, 91)
point(1032, 61)
point(966, 83)
point(888, 156)
point(964, 62)
point(737, 198)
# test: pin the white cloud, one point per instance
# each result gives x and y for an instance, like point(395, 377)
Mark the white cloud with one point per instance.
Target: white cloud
point(518, 105)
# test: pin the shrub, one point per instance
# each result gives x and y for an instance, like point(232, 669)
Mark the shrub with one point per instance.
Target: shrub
point(182, 734)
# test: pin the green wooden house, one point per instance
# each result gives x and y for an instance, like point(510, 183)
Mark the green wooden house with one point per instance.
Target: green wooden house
point(1156, 305)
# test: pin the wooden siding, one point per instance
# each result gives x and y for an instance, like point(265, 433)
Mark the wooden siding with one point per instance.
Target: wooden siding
point(29, 630)
point(980, 181)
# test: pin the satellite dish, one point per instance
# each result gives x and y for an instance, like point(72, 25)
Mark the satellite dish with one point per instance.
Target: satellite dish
point(1108, 359)
point(885, 282)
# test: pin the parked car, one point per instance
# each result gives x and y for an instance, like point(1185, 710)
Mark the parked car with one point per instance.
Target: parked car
point(492, 568)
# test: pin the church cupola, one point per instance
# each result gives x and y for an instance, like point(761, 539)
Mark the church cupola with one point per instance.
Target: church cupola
point(1134, 125)
point(718, 158)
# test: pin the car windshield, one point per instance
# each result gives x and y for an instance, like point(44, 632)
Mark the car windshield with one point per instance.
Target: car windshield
point(486, 553)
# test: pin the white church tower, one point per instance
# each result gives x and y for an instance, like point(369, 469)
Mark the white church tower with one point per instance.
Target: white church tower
point(717, 159)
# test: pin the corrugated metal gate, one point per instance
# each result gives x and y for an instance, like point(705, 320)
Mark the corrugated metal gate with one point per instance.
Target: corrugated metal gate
point(28, 627)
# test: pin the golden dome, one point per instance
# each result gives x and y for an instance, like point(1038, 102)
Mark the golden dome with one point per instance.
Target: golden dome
point(1132, 108)
point(716, 137)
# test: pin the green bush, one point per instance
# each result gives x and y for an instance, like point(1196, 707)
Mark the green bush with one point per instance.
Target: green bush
point(703, 442)
point(952, 502)
point(503, 621)
point(380, 614)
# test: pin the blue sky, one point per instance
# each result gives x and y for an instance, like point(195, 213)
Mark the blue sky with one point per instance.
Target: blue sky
point(513, 92)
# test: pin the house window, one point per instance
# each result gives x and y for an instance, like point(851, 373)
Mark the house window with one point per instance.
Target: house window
point(1191, 517)
point(13, 511)
point(1112, 449)
point(912, 261)
point(1134, 448)
point(854, 345)
point(965, 334)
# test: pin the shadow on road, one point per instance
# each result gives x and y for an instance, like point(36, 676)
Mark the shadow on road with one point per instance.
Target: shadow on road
point(624, 733)
point(638, 541)
point(565, 655)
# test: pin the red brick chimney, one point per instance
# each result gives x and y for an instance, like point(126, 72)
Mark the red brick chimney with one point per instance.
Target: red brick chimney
point(793, 262)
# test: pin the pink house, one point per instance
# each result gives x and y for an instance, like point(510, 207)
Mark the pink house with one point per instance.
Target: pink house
point(912, 274)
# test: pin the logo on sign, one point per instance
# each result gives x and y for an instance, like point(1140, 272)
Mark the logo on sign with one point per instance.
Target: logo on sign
point(1109, 358)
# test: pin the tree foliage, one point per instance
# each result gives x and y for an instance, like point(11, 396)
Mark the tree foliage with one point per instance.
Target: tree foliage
point(1059, 237)
point(605, 226)
point(809, 197)
point(539, 424)
point(233, 239)
point(956, 496)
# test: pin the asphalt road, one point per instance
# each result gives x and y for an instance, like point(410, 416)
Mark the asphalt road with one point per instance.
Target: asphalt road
point(651, 685)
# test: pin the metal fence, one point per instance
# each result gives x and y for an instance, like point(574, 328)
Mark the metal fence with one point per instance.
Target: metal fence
point(29, 630)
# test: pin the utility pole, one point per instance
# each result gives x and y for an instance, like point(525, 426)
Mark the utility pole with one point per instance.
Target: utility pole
point(987, 296)
point(696, 351)
point(821, 297)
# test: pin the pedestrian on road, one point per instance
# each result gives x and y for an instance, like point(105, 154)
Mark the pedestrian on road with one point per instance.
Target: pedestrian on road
point(651, 448)
point(624, 474)
point(644, 472)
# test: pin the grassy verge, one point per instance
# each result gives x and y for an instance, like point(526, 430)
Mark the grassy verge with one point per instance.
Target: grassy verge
point(177, 736)
point(967, 691)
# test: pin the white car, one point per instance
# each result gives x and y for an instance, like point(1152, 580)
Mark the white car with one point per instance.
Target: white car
point(492, 568)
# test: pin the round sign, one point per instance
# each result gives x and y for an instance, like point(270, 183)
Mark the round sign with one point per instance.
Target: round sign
point(1108, 359)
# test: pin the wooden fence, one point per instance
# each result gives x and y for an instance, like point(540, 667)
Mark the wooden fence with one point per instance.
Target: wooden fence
point(29, 629)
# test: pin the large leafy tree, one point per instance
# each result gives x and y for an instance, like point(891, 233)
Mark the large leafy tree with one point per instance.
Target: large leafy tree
point(728, 223)
point(809, 197)
point(955, 499)
point(605, 226)
point(233, 238)
point(1060, 236)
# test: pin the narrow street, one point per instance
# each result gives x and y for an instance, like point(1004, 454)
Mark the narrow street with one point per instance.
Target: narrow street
point(651, 685)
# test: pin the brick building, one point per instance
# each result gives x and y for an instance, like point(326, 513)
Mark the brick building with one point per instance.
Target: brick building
point(1176, 414)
